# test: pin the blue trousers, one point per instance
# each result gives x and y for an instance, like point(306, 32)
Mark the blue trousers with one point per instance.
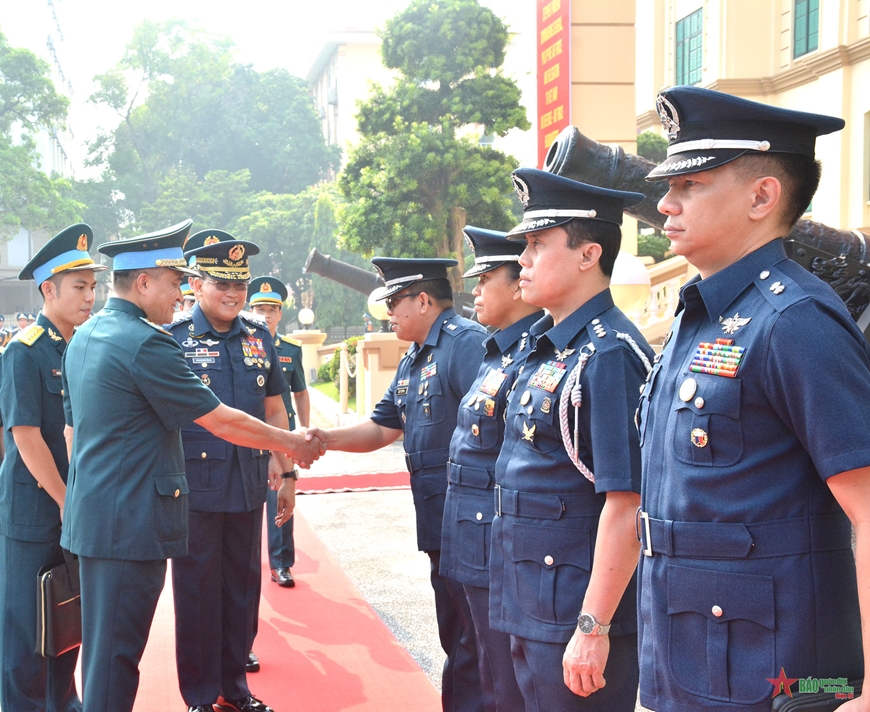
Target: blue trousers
point(282, 550)
point(539, 673)
point(213, 602)
point(498, 681)
point(28, 681)
point(460, 680)
point(118, 603)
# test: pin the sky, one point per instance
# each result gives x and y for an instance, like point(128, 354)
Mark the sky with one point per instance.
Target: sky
point(89, 37)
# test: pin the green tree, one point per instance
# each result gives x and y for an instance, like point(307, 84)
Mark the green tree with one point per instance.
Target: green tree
point(29, 104)
point(652, 146)
point(419, 174)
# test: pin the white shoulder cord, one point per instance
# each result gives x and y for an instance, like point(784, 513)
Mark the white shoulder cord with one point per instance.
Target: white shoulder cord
point(572, 387)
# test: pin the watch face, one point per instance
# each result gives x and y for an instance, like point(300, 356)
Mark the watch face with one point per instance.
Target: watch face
point(587, 623)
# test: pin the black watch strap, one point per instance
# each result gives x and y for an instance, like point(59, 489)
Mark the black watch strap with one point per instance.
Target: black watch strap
point(291, 475)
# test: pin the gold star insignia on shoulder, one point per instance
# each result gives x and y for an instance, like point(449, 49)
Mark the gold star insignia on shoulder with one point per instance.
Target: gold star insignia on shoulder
point(562, 355)
point(733, 323)
point(53, 335)
point(529, 433)
point(506, 361)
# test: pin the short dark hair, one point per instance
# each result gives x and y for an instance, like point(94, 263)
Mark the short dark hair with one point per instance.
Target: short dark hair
point(607, 234)
point(123, 280)
point(799, 176)
point(439, 289)
point(513, 270)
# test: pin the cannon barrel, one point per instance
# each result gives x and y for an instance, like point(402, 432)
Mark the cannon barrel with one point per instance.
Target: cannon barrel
point(356, 278)
point(579, 157)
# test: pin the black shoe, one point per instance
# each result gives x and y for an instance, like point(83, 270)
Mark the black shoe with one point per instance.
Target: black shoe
point(200, 708)
point(253, 664)
point(283, 577)
point(248, 704)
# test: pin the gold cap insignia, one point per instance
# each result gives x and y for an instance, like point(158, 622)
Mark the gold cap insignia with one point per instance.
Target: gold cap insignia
point(82, 244)
point(211, 240)
point(237, 252)
point(266, 287)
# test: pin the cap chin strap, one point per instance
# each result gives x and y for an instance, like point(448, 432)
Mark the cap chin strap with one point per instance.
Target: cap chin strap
point(708, 144)
point(496, 258)
point(409, 278)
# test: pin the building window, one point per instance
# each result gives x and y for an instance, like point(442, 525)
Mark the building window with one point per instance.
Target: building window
point(689, 48)
point(806, 27)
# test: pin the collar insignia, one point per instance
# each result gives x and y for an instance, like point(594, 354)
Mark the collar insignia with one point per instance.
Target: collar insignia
point(52, 334)
point(733, 323)
point(506, 361)
point(562, 355)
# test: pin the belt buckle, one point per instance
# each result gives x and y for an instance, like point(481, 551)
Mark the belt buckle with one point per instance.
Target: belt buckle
point(647, 548)
point(498, 500)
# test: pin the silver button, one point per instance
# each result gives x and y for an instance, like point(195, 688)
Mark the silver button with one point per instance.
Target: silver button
point(177, 492)
point(764, 275)
point(479, 516)
point(699, 402)
point(203, 456)
point(548, 560)
point(596, 321)
point(717, 611)
point(687, 389)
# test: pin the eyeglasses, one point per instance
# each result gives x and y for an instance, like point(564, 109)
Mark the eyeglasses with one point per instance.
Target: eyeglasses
point(228, 286)
point(392, 301)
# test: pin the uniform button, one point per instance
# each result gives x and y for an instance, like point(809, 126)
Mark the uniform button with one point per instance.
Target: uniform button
point(479, 516)
point(548, 560)
point(699, 402)
point(177, 492)
point(61, 391)
point(203, 456)
point(283, 368)
point(764, 275)
point(687, 389)
point(717, 611)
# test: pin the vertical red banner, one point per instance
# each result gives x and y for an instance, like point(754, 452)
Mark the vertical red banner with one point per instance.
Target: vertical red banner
point(554, 71)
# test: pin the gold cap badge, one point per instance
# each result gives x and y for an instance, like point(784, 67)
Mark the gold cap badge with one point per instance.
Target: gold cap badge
point(82, 244)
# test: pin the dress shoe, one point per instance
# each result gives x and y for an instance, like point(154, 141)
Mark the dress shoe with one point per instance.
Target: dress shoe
point(200, 708)
point(253, 664)
point(248, 704)
point(283, 577)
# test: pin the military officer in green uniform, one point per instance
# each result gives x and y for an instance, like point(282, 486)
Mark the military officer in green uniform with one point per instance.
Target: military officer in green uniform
point(33, 476)
point(128, 392)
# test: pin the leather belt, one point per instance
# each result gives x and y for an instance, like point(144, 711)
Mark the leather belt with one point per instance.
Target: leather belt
point(729, 540)
point(546, 506)
point(426, 458)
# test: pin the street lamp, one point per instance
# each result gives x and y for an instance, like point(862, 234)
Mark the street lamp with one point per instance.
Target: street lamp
point(378, 308)
point(630, 283)
point(305, 317)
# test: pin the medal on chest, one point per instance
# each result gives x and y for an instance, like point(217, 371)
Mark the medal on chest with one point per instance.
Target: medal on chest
point(548, 376)
point(492, 382)
point(719, 358)
point(252, 350)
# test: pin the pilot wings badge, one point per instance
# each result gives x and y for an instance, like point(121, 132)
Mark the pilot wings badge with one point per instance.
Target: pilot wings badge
point(529, 433)
point(733, 323)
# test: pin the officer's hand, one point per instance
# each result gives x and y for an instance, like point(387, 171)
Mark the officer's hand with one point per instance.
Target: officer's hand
point(274, 474)
point(307, 448)
point(286, 501)
point(584, 661)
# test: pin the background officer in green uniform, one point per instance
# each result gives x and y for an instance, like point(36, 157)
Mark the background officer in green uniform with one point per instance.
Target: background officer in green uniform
point(266, 297)
point(128, 391)
point(33, 476)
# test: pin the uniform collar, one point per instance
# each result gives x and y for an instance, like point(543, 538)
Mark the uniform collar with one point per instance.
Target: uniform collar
point(562, 333)
point(50, 328)
point(201, 324)
point(124, 305)
point(504, 339)
point(719, 290)
point(446, 315)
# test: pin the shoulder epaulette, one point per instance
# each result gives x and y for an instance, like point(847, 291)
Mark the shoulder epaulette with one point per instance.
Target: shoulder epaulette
point(289, 340)
point(155, 326)
point(458, 324)
point(253, 319)
point(779, 289)
point(180, 317)
point(29, 335)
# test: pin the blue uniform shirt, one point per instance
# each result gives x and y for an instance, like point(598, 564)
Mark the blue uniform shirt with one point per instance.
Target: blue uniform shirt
point(240, 367)
point(423, 400)
point(544, 538)
point(30, 387)
point(474, 448)
point(760, 395)
point(290, 361)
point(127, 393)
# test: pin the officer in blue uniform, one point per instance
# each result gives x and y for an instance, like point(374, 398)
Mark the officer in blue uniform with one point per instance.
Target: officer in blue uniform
point(127, 392)
point(33, 475)
point(423, 400)
point(754, 427)
point(236, 358)
point(568, 476)
point(475, 446)
point(266, 296)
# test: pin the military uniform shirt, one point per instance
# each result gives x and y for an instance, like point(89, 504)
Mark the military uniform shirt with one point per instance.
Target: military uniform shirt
point(543, 543)
point(239, 366)
point(760, 395)
point(475, 445)
point(423, 400)
point(127, 392)
point(290, 361)
point(30, 395)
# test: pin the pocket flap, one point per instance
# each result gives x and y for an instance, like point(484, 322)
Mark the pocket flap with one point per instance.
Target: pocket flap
point(720, 396)
point(171, 485)
point(552, 545)
point(205, 449)
point(433, 484)
point(721, 596)
point(479, 510)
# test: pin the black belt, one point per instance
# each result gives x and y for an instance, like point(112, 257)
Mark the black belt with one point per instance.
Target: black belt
point(727, 540)
point(476, 477)
point(426, 458)
point(546, 506)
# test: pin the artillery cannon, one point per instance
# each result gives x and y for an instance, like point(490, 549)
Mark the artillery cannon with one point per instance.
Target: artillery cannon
point(838, 257)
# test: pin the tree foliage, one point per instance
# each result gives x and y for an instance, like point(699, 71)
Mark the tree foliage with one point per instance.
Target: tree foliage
point(418, 176)
point(652, 146)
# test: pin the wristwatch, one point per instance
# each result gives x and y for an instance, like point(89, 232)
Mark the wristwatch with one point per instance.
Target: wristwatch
point(291, 475)
point(589, 626)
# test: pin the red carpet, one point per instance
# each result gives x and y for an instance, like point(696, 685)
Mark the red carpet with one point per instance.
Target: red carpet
point(321, 647)
point(365, 482)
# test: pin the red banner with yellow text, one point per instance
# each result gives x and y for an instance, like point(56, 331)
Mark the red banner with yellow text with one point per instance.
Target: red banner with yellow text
point(554, 71)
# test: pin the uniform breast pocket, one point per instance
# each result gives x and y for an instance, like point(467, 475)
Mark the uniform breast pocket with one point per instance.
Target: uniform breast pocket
point(212, 376)
point(206, 464)
point(53, 407)
point(708, 431)
point(170, 507)
point(429, 404)
point(721, 633)
point(536, 421)
point(551, 565)
point(483, 428)
point(255, 380)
